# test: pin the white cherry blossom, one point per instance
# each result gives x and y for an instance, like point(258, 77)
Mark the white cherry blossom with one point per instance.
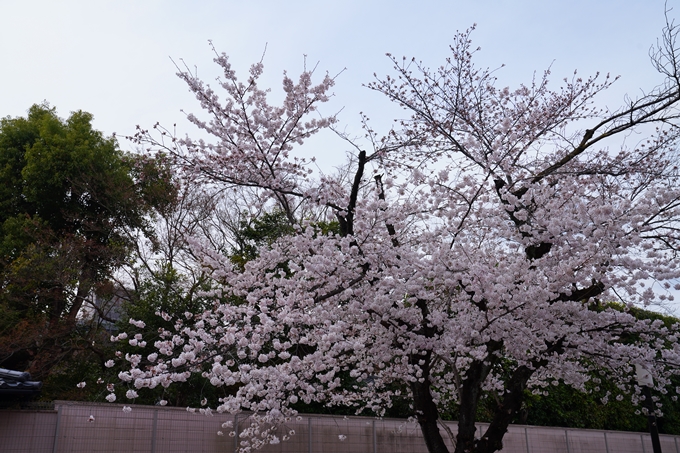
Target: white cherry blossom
point(478, 248)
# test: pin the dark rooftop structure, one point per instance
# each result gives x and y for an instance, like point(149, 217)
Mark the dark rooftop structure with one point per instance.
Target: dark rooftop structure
point(17, 385)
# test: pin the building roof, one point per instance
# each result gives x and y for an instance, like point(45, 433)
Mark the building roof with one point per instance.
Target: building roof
point(17, 383)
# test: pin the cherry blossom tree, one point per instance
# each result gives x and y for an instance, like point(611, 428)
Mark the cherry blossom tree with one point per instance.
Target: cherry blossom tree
point(478, 247)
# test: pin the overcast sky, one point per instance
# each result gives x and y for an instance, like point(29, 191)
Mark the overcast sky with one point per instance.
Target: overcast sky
point(114, 59)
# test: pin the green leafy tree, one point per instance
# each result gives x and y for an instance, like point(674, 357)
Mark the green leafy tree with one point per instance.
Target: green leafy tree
point(69, 199)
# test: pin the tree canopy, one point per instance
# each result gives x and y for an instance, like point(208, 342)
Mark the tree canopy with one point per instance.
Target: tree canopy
point(68, 201)
point(477, 246)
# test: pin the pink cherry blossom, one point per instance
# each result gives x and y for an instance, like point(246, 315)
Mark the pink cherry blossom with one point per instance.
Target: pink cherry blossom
point(479, 246)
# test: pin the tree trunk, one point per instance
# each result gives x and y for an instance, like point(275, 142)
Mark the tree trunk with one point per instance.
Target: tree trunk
point(469, 400)
point(492, 440)
point(427, 415)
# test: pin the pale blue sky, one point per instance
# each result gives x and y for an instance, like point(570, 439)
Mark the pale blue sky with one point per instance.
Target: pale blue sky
point(111, 58)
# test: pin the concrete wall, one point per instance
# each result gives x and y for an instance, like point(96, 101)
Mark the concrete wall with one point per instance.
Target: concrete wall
point(91, 427)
